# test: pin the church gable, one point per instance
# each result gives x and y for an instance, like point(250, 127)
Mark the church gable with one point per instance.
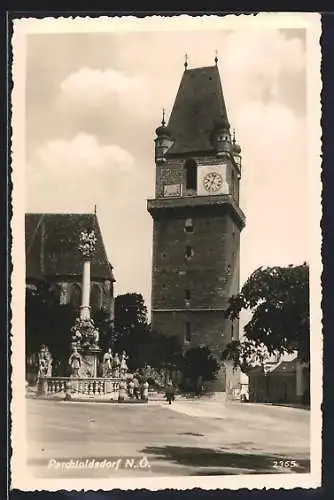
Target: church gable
point(52, 246)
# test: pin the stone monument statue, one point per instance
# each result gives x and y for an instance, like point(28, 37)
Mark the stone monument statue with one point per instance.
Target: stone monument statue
point(107, 363)
point(116, 365)
point(44, 362)
point(75, 362)
point(123, 365)
point(85, 334)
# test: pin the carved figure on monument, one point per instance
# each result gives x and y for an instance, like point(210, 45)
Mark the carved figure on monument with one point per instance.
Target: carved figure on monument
point(107, 363)
point(87, 244)
point(116, 365)
point(85, 334)
point(75, 362)
point(44, 362)
point(124, 366)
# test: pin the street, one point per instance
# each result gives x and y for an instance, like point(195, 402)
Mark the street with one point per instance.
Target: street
point(76, 440)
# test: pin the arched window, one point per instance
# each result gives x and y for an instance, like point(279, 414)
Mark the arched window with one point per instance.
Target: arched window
point(95, 296)
point(191, 174)
point(75, 296)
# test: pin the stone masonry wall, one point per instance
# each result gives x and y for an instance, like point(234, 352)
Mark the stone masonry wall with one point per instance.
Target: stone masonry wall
point(172, 172)
point(210, 276)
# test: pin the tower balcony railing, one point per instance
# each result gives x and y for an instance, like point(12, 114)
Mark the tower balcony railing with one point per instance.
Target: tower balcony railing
point(221, 201)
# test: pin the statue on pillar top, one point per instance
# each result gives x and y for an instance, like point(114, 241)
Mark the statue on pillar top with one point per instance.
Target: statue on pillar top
point(87, 244)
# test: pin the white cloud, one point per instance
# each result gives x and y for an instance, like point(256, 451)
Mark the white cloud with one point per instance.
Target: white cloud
point(83, 153)
point(74, 174)
point(254, 60)
point(92, 87)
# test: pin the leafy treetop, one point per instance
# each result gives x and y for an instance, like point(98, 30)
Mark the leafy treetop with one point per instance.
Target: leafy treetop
point(278, 298)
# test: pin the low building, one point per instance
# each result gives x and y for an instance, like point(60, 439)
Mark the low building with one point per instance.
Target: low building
point(284, 380)
point(52, 257)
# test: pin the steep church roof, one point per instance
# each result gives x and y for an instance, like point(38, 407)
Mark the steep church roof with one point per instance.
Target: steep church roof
point(198, 107)
point(52, 246)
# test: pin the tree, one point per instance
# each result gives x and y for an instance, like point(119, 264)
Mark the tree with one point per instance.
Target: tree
point(130, 312)
point(278, 298)
point(131, 327)
point(106, 330)
point(245, 354)
point(198, 365)
point(47, 322)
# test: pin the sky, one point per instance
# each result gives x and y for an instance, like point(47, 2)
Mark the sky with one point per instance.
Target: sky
point(94, 100)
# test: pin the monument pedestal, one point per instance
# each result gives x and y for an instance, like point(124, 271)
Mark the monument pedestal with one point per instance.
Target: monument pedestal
point(89, 363)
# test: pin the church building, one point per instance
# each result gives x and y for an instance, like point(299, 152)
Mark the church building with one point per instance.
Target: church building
point(53, 257)
point(197, 220)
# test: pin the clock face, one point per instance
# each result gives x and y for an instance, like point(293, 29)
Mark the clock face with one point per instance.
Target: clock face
point(212, 182)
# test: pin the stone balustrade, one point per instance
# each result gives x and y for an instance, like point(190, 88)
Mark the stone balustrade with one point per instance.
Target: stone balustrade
point(79, 387)
point(96, 388)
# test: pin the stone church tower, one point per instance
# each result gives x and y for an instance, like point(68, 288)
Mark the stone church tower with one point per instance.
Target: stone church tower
point(196, 216)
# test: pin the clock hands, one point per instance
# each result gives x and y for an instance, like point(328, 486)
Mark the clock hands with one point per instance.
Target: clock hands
point(212, 181)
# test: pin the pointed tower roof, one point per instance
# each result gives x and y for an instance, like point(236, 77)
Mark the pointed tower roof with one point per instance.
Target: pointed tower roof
point(198, 107)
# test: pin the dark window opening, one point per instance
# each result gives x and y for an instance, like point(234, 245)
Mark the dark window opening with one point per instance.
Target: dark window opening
point(188, 332)
point(232, 331)
point(188, 226)
point(191, 174)
point(187, 294)
point(189, 252)
point(163, 285)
